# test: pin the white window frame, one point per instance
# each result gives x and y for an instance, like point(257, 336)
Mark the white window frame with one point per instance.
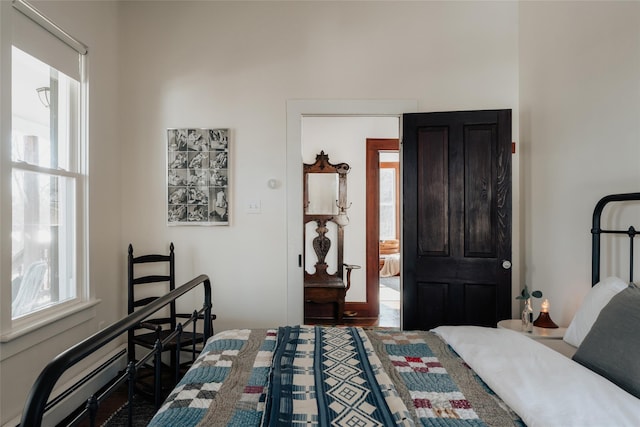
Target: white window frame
point(13, 328)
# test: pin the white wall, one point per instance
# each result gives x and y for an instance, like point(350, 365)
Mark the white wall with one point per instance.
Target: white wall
point(235, 64)
point(580, 135)
point(95, 24)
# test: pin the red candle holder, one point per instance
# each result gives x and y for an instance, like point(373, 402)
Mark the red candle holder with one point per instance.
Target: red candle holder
point(544, 321)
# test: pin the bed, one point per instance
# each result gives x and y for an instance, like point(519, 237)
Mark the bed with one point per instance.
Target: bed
point(389, 258)
point(411, 378)
point(449, 376)
point(452, 375)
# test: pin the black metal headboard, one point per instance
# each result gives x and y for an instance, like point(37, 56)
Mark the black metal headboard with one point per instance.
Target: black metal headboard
point(596, 231)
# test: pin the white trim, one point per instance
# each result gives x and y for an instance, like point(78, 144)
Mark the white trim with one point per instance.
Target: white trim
point(296, 110)
point(44, 325)
point(44, 170)
point(82, 189)
point(5, 162)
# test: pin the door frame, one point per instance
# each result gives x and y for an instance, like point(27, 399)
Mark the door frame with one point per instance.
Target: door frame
point(374, 146)
point(296, 110)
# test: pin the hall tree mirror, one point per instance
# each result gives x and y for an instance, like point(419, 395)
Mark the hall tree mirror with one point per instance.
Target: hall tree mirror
point(322, 193)
point(324, 186)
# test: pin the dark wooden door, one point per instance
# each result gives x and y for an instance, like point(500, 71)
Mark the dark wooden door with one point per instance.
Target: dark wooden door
point(456, 239)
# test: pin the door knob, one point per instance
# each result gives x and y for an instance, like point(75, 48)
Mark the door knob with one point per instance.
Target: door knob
point(506, 264)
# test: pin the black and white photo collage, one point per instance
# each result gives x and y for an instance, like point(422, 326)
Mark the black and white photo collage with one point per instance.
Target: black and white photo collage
point(198, 174)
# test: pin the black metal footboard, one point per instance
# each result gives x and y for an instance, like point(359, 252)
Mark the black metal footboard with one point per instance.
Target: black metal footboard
point(38, 399)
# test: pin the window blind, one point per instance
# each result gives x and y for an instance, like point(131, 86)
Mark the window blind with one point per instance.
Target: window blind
point(40, 37)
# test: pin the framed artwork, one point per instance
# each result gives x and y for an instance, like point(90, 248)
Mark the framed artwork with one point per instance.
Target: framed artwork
point(197, 176)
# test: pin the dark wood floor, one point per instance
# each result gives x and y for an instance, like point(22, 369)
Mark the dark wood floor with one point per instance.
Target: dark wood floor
point(108, 407)
point(355, 321)
point(389, 311)
point(111, 404)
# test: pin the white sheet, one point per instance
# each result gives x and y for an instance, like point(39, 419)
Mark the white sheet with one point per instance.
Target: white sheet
point(391, 266)
point(543, 387)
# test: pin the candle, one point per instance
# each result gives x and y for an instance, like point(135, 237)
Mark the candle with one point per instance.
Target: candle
point(544, 308)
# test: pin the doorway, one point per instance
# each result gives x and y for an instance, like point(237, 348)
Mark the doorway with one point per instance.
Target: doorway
point(383, 230)
point(344, 140)
point(296, 111)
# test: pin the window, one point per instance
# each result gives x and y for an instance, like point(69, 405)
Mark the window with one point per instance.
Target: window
point(48, 169)
point(389, 195)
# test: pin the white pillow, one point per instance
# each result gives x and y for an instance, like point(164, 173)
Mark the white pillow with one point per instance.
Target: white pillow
point(596, 299)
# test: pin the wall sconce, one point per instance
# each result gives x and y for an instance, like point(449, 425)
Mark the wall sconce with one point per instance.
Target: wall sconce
point(544, 320)
point(43, 95)
point(342, 219)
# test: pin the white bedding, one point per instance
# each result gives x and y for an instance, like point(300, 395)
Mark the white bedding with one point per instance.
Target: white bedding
point(391, 266)
point(542, 386)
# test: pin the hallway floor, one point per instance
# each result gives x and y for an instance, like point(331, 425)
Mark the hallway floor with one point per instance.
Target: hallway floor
point(389, 302)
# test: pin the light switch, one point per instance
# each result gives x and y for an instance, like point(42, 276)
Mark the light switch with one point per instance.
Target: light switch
point(253, 206)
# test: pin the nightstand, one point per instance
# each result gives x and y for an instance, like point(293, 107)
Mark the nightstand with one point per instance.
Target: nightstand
point(537, 333)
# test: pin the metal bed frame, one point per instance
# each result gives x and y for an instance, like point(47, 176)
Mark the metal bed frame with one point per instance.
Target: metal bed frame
point(38, 399)
point(597, 230)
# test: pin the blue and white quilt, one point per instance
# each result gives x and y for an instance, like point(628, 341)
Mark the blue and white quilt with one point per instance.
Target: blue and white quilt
point(331, 376)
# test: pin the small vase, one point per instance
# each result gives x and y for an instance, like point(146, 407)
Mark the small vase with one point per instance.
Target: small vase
point(527, 316)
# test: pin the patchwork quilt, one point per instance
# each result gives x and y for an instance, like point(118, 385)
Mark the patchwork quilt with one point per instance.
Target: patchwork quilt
point(331, 376)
